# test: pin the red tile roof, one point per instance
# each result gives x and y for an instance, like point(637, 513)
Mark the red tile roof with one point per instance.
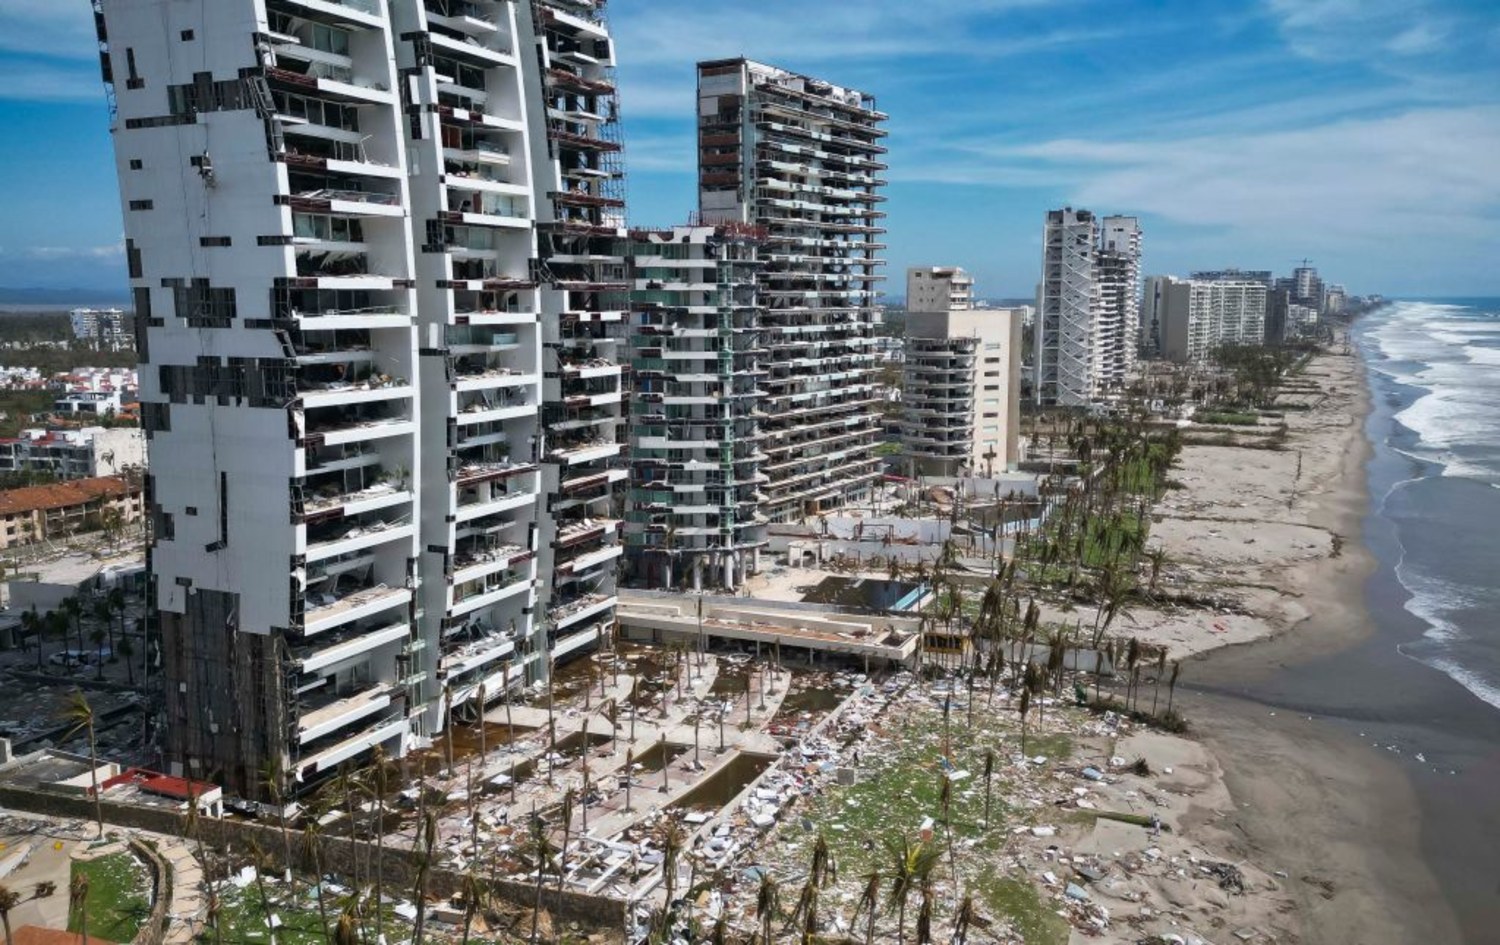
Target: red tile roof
point(60, 495)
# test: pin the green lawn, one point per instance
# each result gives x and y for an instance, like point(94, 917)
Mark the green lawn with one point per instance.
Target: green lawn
point(900, 785)
point(119, 899)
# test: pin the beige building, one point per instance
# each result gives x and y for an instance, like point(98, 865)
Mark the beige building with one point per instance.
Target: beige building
point(961, 393)
point(38, 513)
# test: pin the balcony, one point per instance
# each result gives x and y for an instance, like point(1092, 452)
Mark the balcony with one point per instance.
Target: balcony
point(481, 561)
point(348, 537)
point(331, 757)
point(319, 719)
point(490, 590)
point(327, 611)
point(573, 612)
point(339, 648)
point(333, 500)
point(586, 451)
point(474, 655)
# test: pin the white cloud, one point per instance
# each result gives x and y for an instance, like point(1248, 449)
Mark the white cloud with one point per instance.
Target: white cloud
point(1332, 30)
point(48, 28)
point(39, 82)
point(1422, 178)
point(56, 253)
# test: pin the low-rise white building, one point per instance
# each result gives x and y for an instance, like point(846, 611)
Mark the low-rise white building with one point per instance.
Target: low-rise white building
point(100, 328)
point(74, 454)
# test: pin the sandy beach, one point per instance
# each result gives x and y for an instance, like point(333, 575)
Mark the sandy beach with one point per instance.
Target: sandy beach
point(1340, 821)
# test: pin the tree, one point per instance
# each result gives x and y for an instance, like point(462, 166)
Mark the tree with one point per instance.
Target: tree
point(767, 904)
point(73, 608)
point(570, 797)
point(1023, 708)
point(1161, 670)
point(1158, 559)
point(869, 902)
point(312, 854)
point(9, 899)
point(127, 651)
point(911, 867)
point(96, 637)
point(472, 892)
point(539, 848)
point(377, 785)
point(78, 903)
point(989, 772)
point(1172, 684)
point(962, 920)
point(79, 716)
point(31, 625)
point(429, 831)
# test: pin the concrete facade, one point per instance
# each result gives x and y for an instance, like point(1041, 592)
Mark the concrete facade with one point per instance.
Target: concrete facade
point(698, 356)
point(799, 156)
point(1190, 318)
point(362, 241)
point(961, 380)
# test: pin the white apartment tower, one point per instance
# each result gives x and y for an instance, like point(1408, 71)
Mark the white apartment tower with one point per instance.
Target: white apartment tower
point(938, 289)
point(1192, 317)
point(1068, 311)
point(1119, 275)
point(1088, 326)
point(101, 328)
point(342, 222)
point(800, 157)
point(961, 378)
point(693, 517)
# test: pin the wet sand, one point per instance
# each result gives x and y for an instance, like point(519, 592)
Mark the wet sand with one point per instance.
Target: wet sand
point(1318, 730)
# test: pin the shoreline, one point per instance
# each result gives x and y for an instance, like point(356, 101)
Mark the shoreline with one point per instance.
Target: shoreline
point(1372, 846)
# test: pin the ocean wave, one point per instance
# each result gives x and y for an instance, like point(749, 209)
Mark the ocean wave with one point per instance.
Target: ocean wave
point(1481, 688)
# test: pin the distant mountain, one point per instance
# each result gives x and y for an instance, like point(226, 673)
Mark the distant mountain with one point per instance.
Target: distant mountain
point(14, 296)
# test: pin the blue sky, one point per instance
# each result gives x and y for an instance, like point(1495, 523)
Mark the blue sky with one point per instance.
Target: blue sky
point(1363, 134)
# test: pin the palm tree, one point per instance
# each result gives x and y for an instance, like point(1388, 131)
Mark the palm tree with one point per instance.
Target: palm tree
point(258, 860)
point(57, 622)
point(1023, 708)
point(1158, 559)
point(78, 903)
point(127, 651)
point(72, 608)
point(962, 920)
point(79, 715)
point(377, 785)
point(271, 777)
point(912, 865)
point(31, 625)
point(924, 914)
point(104, 612)
point(629, 776)
point(96, 637)
point(989, 771)
point(767, 904)
point(569, 798)
point(424, 868)
point(869, 902)
point(346, 931)
point(1172, 684)
point(472, 891)
point(540, 849)
point(673, 840)
point(312, 854)
point(1161, 670)
point(9, 899)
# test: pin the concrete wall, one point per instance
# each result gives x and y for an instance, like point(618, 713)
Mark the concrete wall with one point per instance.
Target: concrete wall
point(399, 865)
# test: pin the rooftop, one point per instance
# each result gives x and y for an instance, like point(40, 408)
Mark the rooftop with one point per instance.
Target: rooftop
point(62, 495)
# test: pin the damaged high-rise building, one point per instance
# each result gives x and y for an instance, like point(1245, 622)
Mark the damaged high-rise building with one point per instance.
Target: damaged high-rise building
point(373, 253)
